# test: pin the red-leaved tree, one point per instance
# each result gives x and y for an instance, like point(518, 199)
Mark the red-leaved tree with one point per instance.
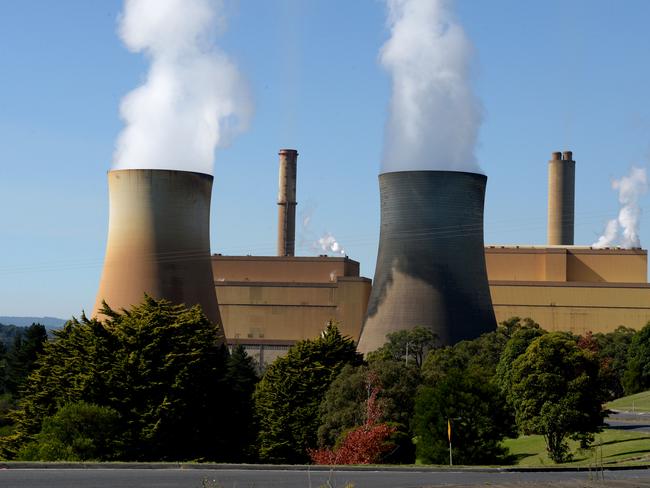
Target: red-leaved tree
point(365, 444)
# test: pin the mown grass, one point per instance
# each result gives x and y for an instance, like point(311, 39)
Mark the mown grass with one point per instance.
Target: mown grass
point(611, 447)
point(639, 402)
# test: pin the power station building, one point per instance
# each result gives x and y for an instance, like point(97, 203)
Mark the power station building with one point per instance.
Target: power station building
point(268, 303)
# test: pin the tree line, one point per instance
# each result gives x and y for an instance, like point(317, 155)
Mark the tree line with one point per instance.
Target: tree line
point(155, 383)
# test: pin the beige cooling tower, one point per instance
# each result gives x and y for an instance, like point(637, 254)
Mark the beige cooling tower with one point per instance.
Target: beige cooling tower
point(158, 240)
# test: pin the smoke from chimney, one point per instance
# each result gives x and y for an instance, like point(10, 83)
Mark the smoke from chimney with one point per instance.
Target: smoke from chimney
point(623, 231)
point(330, 245)
point(434, 114)
point(193, 99)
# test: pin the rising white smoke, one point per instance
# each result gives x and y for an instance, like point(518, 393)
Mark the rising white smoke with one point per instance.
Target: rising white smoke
point(193, 99)
point(434, 115)
point(329, 244)
point(624, 230)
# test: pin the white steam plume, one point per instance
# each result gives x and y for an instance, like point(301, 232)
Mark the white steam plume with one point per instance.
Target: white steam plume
point(329, 244)
point(624, 230)
point(193, 99)
point(434, 115)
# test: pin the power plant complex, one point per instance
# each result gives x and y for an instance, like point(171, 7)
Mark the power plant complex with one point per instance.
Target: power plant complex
point(433, 268)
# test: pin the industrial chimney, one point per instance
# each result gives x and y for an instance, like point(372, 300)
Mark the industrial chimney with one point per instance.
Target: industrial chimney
point(158, 240)
point(287, 202)
point(561, 198)
point(431, 268)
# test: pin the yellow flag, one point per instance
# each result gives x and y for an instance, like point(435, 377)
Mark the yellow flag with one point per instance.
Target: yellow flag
point(449, 430)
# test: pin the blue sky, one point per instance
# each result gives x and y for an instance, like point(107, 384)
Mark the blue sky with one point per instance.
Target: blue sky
point(552, 75)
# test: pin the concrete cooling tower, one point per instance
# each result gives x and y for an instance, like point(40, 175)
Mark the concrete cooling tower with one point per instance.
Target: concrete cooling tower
point(158, 240)
point(431, 263)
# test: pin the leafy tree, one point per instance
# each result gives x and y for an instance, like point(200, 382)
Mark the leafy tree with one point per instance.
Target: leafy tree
point(8, 334)
point(637, 375)
point(478, 417)
point(611, 349)
point(416, 342)
point(555, 391)
point(7, 404)
point(21, 358)
point(76, 432)
point(367, 443)
point(519, 341)
point(291, 390)
point(345, 404)
point(159, 365)
point(479, 357)
point(241, 377)
point(513, 324)
point(3, 368)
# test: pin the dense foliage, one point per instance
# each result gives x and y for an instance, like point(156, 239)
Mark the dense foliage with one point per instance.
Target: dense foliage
point(477, 416)
point(76, 432)
point(17, 359)
point(637, 374)
point(289, 394)
point(369, 443)
point(555, 391)
point(159, 366)
point(345, 403)
point(406, 345)
point(155, 383)
point(459, 388)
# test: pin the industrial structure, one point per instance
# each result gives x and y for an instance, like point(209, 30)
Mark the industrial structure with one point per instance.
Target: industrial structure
point(287, 202)
point(570, 288)
point(430, 265)
point(158, 240)
point(270, 302)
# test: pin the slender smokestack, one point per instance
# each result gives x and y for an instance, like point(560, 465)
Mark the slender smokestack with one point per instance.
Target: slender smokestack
point(287, 202)
point(431, 268)
point(561, 198)
point(158, 240)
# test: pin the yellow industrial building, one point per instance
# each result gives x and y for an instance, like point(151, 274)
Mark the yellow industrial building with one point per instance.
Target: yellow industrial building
point(570, 288)
point(278, 300)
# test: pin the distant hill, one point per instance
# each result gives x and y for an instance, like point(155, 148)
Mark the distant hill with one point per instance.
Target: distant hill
point(48, 322)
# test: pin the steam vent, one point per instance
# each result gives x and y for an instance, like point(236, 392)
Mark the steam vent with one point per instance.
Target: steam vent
point(431, 264)
point(158, 240)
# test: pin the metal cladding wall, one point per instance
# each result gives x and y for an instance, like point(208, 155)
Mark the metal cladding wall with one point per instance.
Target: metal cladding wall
point(431, 262)
point(158, 240)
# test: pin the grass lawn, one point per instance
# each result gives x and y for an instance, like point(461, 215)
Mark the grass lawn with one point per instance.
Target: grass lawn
point(611, 447)
point(633, 403)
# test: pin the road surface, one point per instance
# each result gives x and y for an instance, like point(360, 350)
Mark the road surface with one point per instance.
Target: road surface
point(245, 478)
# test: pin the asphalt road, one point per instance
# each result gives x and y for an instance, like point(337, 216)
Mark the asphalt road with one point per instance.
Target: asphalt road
point(639, 422)
point(239, 478)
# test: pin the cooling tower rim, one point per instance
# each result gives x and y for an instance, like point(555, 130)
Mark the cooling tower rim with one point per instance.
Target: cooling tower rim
point(437, 171)
point(157, 171)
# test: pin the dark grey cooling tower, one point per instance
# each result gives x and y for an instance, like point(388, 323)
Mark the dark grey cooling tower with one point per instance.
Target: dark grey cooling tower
point(431, 262)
